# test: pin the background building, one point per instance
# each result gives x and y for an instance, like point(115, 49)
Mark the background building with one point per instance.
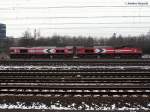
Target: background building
point(2, 31)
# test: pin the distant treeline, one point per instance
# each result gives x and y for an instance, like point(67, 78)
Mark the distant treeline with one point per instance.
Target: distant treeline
point(27, 40)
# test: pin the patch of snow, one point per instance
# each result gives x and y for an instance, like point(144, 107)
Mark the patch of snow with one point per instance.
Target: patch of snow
point(54, 67)
point(58, 106)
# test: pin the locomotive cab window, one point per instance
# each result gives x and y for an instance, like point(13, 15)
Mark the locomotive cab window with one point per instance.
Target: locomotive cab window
point(89, 50)
point(59, 51)
point(23, 51)
point(12, 50)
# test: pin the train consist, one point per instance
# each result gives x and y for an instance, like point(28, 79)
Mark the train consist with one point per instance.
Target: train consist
point(74, 52)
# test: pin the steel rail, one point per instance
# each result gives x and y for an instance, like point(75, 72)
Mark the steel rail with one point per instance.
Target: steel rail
point(138, 69)
point(79, 64)
point(76, 72)
point(141, 81)
point(77, 61)
point(76, 87)
point(73, 93)
point(81, 77)
point(49, 110)
point(73, 84)
point(72, 79)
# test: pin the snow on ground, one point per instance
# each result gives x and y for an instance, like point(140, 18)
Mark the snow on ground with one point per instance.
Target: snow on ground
point(58, 106)
point(31, 67)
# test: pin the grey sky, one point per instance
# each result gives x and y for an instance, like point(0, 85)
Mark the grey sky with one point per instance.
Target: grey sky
point(68, 17)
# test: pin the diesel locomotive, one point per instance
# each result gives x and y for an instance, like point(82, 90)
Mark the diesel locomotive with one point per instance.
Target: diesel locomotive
point(74, 52)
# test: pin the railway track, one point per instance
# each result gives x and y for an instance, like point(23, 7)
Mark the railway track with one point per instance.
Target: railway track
point(74, 82)
point(74, 77)
point(81, 82)
point(91, 80)
point(96, 62)
point(75, 89)
point(73, 74)
point(77, 70)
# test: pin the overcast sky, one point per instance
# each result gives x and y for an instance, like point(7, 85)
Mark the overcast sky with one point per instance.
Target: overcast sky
point(75, 17)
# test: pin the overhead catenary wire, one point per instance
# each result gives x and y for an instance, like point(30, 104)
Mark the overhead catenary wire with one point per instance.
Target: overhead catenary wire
point(77, 23)
point(75, 17)
point(69, 28)
point(87, 6)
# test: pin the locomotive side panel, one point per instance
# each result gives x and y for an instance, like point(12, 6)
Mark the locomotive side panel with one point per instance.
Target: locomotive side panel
point(63, 52)
point(95, 52)
point(127, 52)
point(18, 52)
point(85, 52)
point(40, 52)
point(104, 52)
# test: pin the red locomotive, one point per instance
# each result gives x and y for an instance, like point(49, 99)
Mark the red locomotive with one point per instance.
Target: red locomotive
point(78, 52)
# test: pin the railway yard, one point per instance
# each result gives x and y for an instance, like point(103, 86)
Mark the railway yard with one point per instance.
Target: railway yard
point(77, 85)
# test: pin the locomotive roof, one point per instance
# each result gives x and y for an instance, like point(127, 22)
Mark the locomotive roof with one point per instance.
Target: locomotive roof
point(33, 47)
point(103, 46)
point(39, 47)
